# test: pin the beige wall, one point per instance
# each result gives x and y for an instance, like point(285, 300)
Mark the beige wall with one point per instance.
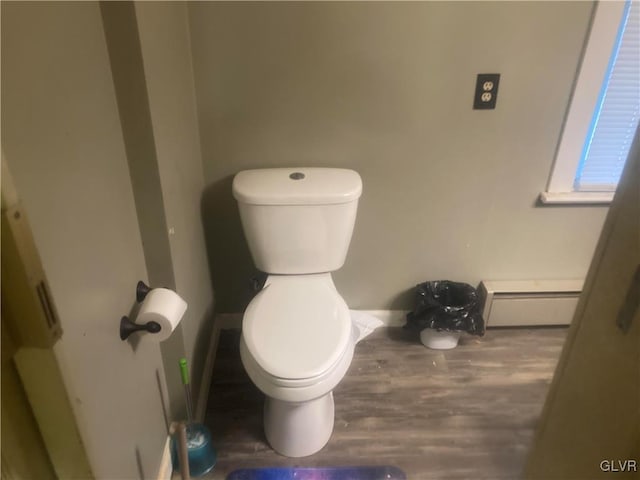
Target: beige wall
point(150, 59)
point(125, 58)
point(100, 128)
point(166, 51)
point(386, 89)
point(63, 140)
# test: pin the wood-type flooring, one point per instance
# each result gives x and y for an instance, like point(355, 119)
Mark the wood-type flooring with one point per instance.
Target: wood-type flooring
point(466, 413)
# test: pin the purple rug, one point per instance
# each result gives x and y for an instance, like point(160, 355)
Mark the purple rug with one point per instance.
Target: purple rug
point(320, 473)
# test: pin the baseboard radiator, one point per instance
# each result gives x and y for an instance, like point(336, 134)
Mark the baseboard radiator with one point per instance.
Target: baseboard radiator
point(529, 302)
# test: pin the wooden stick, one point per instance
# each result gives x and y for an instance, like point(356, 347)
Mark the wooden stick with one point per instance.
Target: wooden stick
point(183, 452)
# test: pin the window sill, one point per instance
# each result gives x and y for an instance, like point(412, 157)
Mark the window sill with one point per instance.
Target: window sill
point(576, 198)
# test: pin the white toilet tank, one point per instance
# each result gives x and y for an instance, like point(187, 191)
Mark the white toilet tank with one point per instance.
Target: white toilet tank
point(298, 220)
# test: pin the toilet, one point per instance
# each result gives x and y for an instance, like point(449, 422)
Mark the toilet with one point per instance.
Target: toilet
point(297, 335)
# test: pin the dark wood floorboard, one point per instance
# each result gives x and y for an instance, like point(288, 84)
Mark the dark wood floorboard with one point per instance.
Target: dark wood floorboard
point(467, 413)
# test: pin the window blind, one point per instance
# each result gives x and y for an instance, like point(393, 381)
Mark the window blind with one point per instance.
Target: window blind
point(617, 111)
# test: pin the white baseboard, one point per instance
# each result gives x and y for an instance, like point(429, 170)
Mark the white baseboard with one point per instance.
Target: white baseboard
point(223, 321)
point(207, 372)
point(166, 468)
point(389, 318)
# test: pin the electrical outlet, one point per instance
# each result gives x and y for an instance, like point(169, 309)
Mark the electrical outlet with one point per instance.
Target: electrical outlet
point(486, 91)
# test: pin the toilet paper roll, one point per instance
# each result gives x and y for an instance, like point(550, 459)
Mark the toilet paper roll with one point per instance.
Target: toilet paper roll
point(164, 307)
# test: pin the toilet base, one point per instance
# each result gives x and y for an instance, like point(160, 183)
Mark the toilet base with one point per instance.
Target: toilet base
point(298, 429)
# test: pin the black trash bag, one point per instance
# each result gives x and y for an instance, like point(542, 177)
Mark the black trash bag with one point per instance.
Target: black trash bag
point(448, 306)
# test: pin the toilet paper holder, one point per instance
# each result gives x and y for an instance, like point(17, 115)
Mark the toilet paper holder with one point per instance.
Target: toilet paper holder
point(127, 327)
point(142, 289)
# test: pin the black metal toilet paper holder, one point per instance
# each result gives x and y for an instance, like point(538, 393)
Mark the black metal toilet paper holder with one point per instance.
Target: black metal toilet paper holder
point(142, 289)
point(127, 326)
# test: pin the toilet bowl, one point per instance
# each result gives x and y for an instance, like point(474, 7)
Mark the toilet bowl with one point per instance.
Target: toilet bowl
point(297, 335)
point(296, 346)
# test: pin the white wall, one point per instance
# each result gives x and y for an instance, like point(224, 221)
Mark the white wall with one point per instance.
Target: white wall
point(386, 88)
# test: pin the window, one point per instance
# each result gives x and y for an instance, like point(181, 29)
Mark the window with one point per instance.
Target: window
point(604, 110)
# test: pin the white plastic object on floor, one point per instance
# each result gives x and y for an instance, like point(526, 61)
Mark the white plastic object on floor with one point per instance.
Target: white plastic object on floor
point(298, 429)
point(439, 340)
point(365, 323)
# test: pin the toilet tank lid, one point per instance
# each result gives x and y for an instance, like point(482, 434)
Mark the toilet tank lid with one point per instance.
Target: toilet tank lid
point(297, 186)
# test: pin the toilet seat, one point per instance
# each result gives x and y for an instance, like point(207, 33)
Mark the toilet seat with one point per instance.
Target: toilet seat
point(301, 390)
point(297, 329)
point(256, 371)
